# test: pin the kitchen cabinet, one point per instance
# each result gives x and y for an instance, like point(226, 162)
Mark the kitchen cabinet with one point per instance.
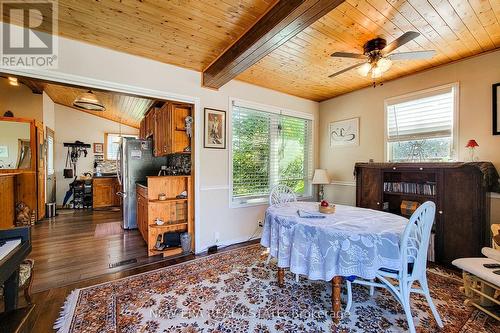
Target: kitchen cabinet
point(177, 213)
point(169, 135)
point(105, 192)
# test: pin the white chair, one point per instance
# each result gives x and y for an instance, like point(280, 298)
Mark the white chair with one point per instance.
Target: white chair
point(414, 246)
point(281, 194)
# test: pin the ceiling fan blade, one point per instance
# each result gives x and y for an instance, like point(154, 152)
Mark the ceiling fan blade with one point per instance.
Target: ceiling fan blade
point(400, 41)
point(347, 69)
point(349, 55)
point(412, 55)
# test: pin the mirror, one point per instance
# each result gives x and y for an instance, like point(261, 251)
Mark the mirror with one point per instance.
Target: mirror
point(15, 148)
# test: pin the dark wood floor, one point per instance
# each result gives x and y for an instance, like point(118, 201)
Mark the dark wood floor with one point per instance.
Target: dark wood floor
point(48, 303)
point(81, 244)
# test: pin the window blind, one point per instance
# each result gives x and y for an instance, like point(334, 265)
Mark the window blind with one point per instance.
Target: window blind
point(269, 148)
point(428, 116)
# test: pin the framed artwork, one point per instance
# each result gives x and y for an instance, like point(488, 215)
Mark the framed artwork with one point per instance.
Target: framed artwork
point(344, 133)
point(4, 151)
point(98, 148)
point(215, 129)
point(496, 108)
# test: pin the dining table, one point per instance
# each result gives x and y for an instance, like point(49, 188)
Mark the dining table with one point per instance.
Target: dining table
point(351, 242)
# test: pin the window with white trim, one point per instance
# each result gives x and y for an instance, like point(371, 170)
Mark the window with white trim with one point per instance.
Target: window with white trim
point(269, 148)
point(422, 126)
point(112, 143)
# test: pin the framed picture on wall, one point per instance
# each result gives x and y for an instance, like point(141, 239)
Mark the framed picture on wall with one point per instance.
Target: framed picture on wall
point(344, 133)
point(496, 108)
point(98, 148)
point(215, 129)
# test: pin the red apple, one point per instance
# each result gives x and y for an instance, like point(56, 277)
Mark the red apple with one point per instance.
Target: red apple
point(324, 203)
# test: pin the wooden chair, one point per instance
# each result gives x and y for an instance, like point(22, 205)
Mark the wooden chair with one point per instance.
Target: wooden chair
point(414, 247)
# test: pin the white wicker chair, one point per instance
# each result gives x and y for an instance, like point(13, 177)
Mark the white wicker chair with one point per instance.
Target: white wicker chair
point(281, 194)
point(414, 245)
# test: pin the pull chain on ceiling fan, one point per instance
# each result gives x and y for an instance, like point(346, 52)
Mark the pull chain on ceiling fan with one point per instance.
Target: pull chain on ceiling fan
point(378, 55)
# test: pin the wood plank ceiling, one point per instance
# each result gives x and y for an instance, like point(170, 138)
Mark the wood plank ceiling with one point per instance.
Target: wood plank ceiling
point(192, 33)
point(124, 109)
point(454, 28)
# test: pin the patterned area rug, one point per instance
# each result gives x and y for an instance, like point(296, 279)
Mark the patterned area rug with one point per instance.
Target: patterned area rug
point(236, 291)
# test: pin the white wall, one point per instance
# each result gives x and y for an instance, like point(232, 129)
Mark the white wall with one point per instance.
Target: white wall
point(79, 60)
point(49, 115)
point(475, 77)
point(20, 100)
point(72, 125)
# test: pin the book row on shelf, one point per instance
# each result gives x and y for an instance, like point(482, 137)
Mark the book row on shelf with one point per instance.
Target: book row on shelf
point(427, 188)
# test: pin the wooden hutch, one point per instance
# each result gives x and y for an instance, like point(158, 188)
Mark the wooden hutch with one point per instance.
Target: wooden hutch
point(165, 124)
point(459, 190)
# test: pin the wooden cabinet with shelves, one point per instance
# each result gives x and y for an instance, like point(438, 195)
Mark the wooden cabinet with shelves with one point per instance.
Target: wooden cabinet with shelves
point(461, 224)
point(166, 125)
point(105, 192)
point(176, 213)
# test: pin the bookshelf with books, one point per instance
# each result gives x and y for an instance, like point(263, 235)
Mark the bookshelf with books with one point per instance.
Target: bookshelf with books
point(458, 190)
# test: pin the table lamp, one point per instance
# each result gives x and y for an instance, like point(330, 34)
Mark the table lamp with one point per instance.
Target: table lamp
point(321, 178)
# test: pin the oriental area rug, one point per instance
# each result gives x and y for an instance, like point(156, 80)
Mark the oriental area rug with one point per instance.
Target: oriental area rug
point(235, 291)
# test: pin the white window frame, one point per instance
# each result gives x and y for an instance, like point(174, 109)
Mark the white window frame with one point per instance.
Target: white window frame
point(105, 148)
point(455, 86)
point(270, 109)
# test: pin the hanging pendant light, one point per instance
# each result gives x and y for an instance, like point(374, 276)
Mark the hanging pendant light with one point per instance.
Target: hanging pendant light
point(89, 101)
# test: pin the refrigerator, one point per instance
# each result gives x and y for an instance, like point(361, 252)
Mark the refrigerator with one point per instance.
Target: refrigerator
point(134, 162)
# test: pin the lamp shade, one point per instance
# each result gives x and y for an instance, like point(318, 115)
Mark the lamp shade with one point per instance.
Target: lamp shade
point(472, 144)
point(320, 177)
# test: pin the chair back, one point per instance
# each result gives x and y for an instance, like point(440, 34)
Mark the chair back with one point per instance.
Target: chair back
point(415, 240)
point(281, 194)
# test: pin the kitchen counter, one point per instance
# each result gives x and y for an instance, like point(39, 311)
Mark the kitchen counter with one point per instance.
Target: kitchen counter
point(143, 183)
point(105, 176)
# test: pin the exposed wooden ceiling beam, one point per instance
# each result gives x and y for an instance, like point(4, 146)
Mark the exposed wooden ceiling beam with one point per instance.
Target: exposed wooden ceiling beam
point(35, 87)
point(282, 22)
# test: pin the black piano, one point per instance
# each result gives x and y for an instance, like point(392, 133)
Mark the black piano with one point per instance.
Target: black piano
point(15, 247)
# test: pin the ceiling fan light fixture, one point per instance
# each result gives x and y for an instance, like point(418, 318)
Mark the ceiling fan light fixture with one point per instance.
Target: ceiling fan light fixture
point(364, 69)
point(384, 64)
point(89, 101)
point(376, 72)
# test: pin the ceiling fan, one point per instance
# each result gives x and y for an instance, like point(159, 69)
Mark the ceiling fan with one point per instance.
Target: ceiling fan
point(378, 55)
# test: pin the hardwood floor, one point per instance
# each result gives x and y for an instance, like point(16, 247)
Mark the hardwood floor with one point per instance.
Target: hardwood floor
point(48, 303)
point(80, 245)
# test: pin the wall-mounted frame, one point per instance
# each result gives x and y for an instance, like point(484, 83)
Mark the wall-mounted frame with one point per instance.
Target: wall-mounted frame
point(496, 108)
point(98, 148)
point(344, 133)
point(214, 131)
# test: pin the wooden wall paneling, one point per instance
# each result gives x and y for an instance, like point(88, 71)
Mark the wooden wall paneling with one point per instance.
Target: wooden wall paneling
point(7, 201)
point(41, 157)
point(26, 190)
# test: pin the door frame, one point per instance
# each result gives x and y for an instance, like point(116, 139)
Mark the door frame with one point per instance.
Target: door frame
point(82, 81)
point(52, 133)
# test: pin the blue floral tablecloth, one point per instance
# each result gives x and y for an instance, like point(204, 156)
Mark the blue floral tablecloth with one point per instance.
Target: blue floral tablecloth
point(352, 241)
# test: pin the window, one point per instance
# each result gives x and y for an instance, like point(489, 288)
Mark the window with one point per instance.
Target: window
point(422, 126)
point(269, 148)
point(112, 142)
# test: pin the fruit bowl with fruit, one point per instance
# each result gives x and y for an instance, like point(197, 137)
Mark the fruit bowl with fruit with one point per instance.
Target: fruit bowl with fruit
point(326, 208)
